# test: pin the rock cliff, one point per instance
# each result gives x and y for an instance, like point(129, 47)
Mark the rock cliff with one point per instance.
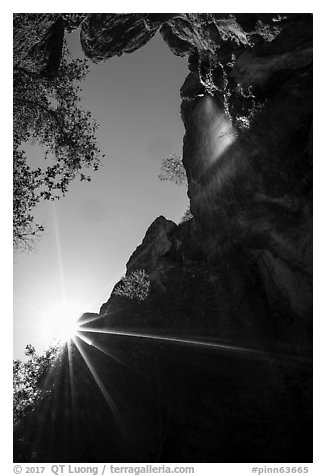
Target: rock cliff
point(38, 39)
point(247, 111)
point(234, 282)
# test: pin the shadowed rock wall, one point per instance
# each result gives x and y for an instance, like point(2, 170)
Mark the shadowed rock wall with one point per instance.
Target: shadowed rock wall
point(38, 39)
point(247, 110)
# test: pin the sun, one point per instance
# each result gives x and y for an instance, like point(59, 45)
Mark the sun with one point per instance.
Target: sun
point(61, 321)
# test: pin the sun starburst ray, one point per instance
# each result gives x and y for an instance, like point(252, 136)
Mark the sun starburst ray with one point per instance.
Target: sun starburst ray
point(49, 405)
point(59, 253)
point(177, 340)
point(100, 385)
point(71, 382)
point(109, 354)
point(84, 338)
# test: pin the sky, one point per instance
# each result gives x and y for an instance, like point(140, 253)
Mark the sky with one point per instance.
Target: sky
point(91, 233)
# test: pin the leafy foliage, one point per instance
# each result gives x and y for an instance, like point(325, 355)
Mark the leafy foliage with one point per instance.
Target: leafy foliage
point(134, 286)
point(26, 182)
point(26, 380)
point(73, 20)
point(48, 111)
point(186, 216)
point(172, 169)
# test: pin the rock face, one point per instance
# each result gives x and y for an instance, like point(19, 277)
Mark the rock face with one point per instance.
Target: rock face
point(157, 243)
point(247, 111)
point(104, 35)
point(38, 39)
point(234, 282)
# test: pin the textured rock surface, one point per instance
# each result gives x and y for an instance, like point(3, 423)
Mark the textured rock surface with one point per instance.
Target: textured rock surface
point(109, 34)
point(248, 161)
point(239, 274)
point(155, 245)
point(38, 39)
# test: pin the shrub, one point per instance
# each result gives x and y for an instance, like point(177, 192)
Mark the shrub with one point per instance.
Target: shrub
point(134, 286)
point(172, 169)
point(186, 216)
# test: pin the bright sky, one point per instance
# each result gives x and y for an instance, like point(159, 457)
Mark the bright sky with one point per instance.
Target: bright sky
point(91, 233)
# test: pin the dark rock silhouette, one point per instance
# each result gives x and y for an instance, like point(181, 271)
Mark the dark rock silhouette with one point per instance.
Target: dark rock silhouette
point(109, 34)
point(238, 275)
point(38, 40)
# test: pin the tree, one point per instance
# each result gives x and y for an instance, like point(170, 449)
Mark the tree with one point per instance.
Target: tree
point(48, 111)
point(172, 169)
point(186, 216)
point(73, 20)
point(134, 286)
point(26, 380)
